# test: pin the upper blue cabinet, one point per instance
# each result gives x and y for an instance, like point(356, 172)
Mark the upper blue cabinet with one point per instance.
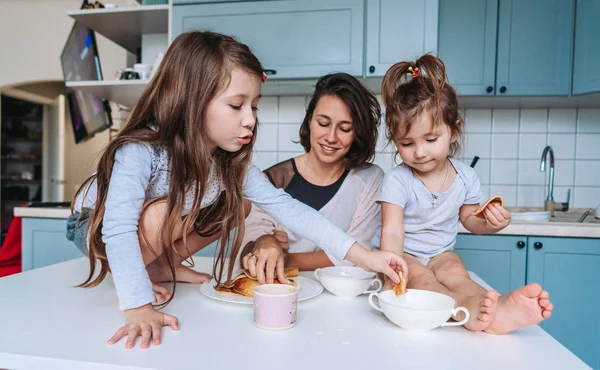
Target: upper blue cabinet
point(535, 47)
point(399, 30)
point(586, 71)
point(292, 39)
point(532, 55)
point(467, 44)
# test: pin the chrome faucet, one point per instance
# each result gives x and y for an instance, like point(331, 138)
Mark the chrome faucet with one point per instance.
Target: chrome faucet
point(549, 204)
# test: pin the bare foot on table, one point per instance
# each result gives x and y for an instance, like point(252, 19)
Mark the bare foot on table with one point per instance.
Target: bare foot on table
point(482, 309)
point(158, 274)
point(526, 306)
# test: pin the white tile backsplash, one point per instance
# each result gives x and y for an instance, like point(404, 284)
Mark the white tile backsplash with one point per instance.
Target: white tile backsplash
point(505, 146)
point(291, 109)
point(587, 173)
point(504, 171)
point(478, 120)
point(267, 109)
point(266, 139)
point(588, 146)
point(288, 136)
point(507, 192)
point(563, 145)
point(529, 172)
point(587, 197)
point(534, 120)
point(508, 141)
point(530, 196)
point(531, 145)
point(588, 121)
point(564, 173)
point(482, 168)
point(505, 120)
point(562, 120)
point(264, 160)
point(477, 145)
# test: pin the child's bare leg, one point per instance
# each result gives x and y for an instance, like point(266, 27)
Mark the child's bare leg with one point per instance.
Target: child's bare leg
point(153, 218)
point(526, 306)
point(422, 277)
point(482, 304)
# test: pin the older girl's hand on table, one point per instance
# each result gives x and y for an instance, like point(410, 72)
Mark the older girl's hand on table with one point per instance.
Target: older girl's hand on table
point(146, 322)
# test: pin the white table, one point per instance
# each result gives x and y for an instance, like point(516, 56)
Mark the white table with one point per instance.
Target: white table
point(47, 324)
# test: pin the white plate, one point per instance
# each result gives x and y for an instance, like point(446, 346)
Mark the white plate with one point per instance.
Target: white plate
point(308, 289)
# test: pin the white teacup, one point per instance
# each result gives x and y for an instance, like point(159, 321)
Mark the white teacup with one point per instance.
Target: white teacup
point(347, 281)
point(418, 310)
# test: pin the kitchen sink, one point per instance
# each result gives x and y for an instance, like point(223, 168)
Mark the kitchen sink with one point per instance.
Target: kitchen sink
point(520, 214)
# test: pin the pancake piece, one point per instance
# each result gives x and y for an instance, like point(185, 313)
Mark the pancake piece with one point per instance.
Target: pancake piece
point(495, 200)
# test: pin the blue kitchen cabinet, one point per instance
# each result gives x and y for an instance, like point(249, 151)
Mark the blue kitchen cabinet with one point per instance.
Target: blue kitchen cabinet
point(399, 30)
point(467, 44)
point(45, 243)
point(292, 39)
point(586, 74)
point(535, 47)
point(499, 260)
point(569, 269)
point(508, 47)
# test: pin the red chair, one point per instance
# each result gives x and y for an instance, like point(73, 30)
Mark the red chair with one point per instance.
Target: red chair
point(10, 253)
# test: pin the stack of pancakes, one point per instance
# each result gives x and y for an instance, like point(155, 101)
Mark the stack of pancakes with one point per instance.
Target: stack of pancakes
point(244, 283)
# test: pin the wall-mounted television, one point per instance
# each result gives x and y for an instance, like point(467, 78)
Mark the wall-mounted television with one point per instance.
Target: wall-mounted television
point(80, 62)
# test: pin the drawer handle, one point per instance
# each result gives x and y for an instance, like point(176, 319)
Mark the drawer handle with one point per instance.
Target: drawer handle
point(503, 89)
point(538, 245)
point(372, 69)
point(270, 72)
point(489, 89)
point(521, 244)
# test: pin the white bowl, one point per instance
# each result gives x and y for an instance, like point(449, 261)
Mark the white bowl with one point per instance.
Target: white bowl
point(418, 310)
point(347, 281)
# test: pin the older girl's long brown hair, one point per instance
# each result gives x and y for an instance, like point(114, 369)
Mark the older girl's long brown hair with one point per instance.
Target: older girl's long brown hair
point(194, 69)
point(406, 97)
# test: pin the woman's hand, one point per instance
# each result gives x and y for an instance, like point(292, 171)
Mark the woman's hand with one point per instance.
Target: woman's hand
point(267, 259)
point(386, 262)
point(146, 322)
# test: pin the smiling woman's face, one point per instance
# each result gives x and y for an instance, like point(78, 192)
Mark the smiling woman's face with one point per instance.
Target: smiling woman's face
point(331, 130)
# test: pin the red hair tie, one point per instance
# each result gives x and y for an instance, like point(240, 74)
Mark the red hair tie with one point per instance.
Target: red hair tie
point(415, 71)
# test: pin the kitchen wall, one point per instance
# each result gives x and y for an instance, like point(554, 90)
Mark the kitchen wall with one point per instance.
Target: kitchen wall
point(508, 141)
point(34, 33)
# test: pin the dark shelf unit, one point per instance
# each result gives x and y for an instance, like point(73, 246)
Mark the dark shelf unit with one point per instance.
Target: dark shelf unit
point(20, 151)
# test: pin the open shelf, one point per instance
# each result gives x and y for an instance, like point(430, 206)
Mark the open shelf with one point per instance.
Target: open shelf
point(125, 26)
point(124, 92)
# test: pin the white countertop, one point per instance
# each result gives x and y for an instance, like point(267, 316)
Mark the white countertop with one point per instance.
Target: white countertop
point(559, 229)
point(48, 324)
point(42, 212)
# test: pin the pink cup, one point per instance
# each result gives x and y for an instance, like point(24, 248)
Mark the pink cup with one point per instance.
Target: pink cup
point(275, 306)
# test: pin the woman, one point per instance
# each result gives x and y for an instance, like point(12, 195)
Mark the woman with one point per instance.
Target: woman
point(334, 176)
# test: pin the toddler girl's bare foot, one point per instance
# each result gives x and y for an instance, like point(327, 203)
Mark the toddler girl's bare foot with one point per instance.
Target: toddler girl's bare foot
point(161, 294)
point(525, 306)
point(186, 274)
point(158, 274)
point(482, 309)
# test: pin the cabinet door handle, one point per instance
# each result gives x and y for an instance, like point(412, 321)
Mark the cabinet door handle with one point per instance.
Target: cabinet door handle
point(372, 69)
point(503, 89)
point(489, 89)
point(270, 72)
point(538, 245)
point(520, 244)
